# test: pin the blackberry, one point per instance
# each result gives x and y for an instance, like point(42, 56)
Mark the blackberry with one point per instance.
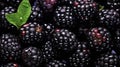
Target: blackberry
point(64, 40)
point(56, 63)
point(47, 51)
point(10, 48)
point(48, 5)
point(85, 9)
point(11, 65)
point(109, 18)
point(81, 57)
point(5, 25)
point(31, 56)
point(64, 17)
point(37, 13)
point(31, 33)
point(109, 59)
point(113, 4)
point(99, 39)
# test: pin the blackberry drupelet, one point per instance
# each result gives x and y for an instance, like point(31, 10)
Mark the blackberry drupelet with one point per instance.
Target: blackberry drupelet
point(99, 39)
point(5, 25)
point(48, 29)
point(109, 18)
point(81, 57)
point(31, 33)
point(85, 9)
point(47, 51)
point(109, 59)
point(10, 48)
point(64, 40)
point(64, 17)
point(56, 63)
point(32, 56)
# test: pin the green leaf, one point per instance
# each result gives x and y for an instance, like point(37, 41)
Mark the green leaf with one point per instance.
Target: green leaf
point(101, 7)
point(21, 16)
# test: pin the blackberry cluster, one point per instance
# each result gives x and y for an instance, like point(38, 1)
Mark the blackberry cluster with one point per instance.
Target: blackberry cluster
point(109, 59)
point(64, 17)
point(85, 9)
point(31, 33)
point(60, 33)
point(10, 48)
point(81, 57)
point(110, 18)
point(99, 39)
point(31, 56)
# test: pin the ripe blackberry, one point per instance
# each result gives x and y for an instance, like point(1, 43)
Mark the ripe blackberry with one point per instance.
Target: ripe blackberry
point(5, 25)
point(31, 56)
point(113, 4)
point(109, 59)
point(99, 39)
point(85, 9)
point(56, 63)
point(37, 13)
point(31, 33)
point(10, 49)
point(64, 40)
point(81, 57)
point(11, 65)
point(48, 5)
point(64, 17)
point(109, 18)
point(47, 51)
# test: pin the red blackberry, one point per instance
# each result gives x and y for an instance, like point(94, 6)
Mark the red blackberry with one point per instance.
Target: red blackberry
point(11, 65)
point(109, 18)
point(31, 33)
point(85, 9)
point(81, 57)
point(56, 63)
point(64, 40)
point(5, 25)
point(48, 5)
point(109, 59)
point(47, 51)
point(99, 39)
point(64, 17)
point(10, 49)
point(37, 13)
point(31, 56)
